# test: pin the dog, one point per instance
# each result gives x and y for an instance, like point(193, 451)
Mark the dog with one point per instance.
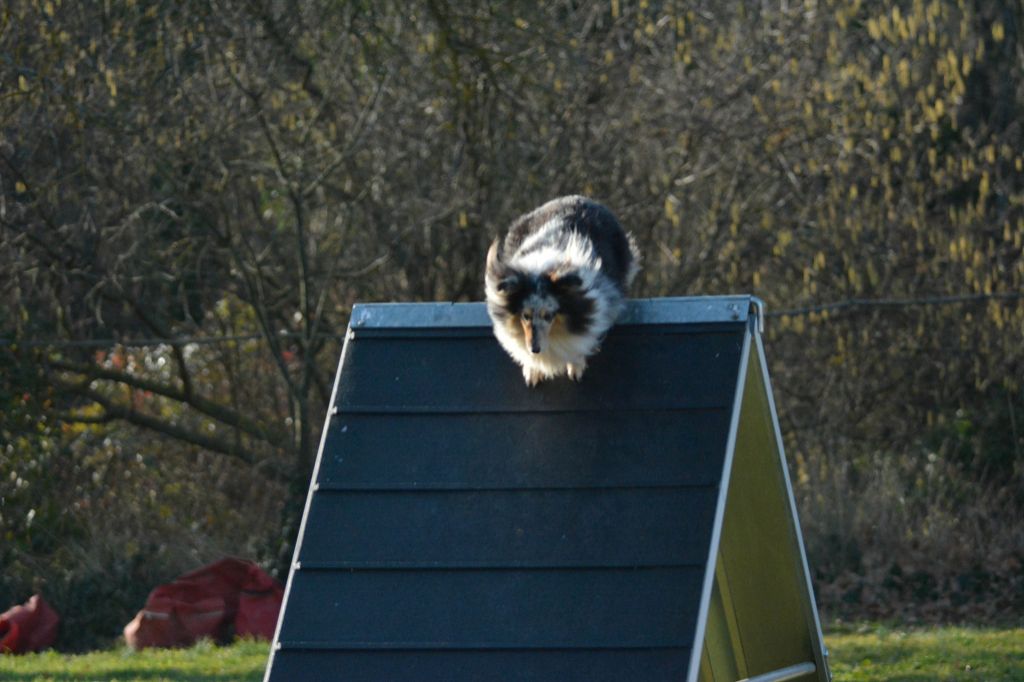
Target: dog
point(556, 285)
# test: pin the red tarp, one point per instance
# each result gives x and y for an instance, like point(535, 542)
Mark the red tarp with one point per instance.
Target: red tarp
point(29, 627)
point(227, 598)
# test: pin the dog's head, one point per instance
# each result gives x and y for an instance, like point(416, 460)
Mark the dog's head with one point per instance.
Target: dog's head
point(530, 305)
point(542, 313)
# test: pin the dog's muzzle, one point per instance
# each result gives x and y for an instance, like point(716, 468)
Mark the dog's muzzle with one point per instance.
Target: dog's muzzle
point(534, 340)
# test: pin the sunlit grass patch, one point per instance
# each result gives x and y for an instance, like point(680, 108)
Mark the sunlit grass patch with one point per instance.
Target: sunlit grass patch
point(205, 662)
point(870, 653)
point(877, 653)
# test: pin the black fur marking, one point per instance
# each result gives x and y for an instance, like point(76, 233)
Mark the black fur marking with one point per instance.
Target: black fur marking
point(541, 284)
point(599, 225)
point(567, 281)
point(515, 296)
point(576, 309)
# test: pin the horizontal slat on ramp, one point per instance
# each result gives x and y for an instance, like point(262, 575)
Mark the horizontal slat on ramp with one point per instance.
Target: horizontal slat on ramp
point(474, 374)
point(444, 609)
point(505, 528)
point(609, 665)
point(523, 450)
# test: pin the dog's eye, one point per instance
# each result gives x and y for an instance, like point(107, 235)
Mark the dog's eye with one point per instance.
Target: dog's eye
point(527, 316)
point(548, 316)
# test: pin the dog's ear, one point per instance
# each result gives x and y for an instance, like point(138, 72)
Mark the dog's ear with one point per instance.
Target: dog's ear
point(510, 284)
point(496, 268)
point(504, 279)
point(566, 281)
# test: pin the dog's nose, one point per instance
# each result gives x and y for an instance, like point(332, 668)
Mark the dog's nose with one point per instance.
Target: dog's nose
point(536, 349)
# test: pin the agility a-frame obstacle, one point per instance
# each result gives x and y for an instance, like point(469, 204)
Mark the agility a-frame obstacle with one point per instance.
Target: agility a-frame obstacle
point(638, 525)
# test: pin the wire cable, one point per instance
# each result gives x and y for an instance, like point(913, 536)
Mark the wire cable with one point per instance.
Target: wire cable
point(848, 305)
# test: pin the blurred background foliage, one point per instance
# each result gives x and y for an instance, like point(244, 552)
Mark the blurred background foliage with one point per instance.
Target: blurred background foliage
point(193, 195)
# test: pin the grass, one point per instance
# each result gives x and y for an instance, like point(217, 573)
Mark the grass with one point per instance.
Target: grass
point(876, 653)
point(204, 662)
point(860, 654)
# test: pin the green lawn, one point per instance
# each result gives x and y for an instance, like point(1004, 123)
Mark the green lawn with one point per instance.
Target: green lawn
point(202, 663)
point(867, 654)
point(873, 654)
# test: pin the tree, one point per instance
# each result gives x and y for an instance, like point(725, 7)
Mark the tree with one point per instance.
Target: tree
point(194, 194)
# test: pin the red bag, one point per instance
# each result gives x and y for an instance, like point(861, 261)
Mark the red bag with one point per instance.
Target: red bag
point(30, 627)
point(176, 615)
point(225, 598)
point(259, 603)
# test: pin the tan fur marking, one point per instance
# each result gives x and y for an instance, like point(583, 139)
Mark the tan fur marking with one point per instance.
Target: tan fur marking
point(558, 328)
point(528, 332)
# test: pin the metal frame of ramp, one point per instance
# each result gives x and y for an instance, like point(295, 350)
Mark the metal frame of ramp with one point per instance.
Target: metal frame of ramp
point(637, 525)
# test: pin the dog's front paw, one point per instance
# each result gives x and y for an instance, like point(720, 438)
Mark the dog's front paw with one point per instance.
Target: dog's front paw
point(532, 376)
point(575, 369)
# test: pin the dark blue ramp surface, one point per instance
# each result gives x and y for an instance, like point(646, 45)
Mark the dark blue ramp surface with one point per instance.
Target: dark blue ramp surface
point(462, 526)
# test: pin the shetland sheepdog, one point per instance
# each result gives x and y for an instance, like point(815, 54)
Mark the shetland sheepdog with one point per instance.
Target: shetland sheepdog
point(556, 284)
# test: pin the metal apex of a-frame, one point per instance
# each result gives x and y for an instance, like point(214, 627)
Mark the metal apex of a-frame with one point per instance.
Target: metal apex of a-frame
point(637, 525)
